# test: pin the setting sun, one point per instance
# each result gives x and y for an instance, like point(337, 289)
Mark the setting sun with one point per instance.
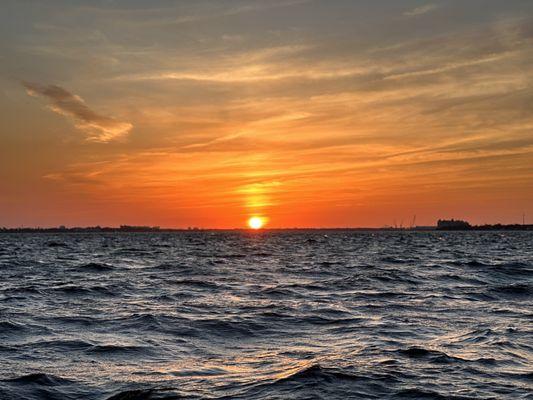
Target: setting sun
point(256, 222)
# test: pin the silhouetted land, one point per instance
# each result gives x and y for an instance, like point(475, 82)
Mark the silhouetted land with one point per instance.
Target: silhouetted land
point(156, 229)
point(495, 227)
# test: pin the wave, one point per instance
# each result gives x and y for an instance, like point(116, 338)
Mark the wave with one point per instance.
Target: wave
point(515, 289)
point(73, 320)
point(317, 372)
point(182, 268)
point(430, 355)
point(261, 254)
point(40, 379)
point(394, 278)
point(63, 344)
point(146, 394)
point(419, 394)
point(56, 244)
point(29, 289)
point(42, 386)
point(222, 256)
point(202, 284)
point(232, 255)
point(11, 327)
point(393, 260)
point(229, 328)
point(477, 263)
point(521, 376)
point(315, 381)
point(179, 327)
point(505, 291)
point(515, 265)
point(469, 263)
point(278, 292)
point(76, 290)
point(135, 251)
point(436, 356)
point(96, 267)
point(139, 394)
point(475, 336)
point(117, 349)
point(86, 347)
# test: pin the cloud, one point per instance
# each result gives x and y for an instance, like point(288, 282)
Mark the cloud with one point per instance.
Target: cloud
point(420, 10)
point(246, 8)
point(99, 128)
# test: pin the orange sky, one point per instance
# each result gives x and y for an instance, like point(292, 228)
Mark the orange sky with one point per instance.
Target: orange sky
point(311, 113)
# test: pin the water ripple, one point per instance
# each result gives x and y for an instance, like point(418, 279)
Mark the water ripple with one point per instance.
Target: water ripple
point(266, 315)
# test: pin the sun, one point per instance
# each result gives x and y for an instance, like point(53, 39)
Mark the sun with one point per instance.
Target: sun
point(256, 222)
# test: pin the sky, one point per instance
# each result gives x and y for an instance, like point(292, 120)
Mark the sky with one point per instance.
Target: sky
point(310, 113)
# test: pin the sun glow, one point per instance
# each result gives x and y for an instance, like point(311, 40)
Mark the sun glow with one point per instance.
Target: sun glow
point(256, 222)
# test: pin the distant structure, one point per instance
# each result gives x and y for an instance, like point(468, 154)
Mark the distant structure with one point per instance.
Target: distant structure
point(452, 224)
point(130, 228)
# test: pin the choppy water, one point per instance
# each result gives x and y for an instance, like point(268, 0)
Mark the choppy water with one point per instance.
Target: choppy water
point(266, 315)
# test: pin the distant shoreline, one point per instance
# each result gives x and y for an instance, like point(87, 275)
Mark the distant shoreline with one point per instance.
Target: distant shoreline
point(146, 229)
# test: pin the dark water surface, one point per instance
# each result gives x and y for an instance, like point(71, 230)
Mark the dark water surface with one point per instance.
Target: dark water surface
point(266, 315)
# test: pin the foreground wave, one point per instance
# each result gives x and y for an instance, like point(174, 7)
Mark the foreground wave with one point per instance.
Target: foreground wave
point(264, 315)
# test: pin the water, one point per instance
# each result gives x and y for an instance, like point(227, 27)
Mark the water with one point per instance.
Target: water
point(267, 315)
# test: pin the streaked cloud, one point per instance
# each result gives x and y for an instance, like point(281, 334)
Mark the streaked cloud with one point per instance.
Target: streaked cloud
point(97, 127)
point(346, 112)
point(420, 10)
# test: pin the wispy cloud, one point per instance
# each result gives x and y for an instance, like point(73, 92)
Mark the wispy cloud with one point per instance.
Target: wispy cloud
point(420, 10)
point(241, 106)
point(99, 128)
point(247, 8)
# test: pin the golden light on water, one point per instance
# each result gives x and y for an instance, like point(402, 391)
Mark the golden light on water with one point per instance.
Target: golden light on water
point(256, 222)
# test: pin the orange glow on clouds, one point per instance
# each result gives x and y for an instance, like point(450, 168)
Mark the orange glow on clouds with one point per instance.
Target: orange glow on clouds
point(313, 124)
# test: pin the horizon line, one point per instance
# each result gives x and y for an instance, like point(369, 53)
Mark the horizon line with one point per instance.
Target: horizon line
point(146, 228)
